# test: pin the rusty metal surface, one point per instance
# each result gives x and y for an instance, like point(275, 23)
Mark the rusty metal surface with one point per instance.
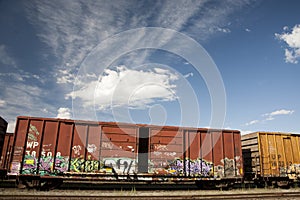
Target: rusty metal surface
point(6, 150)
point(58, 147)
point(3, 127)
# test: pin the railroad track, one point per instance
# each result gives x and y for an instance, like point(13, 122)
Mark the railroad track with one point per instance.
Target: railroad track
point(274, 195)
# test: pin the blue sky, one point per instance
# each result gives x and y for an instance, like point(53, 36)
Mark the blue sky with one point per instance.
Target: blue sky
point(52, 56)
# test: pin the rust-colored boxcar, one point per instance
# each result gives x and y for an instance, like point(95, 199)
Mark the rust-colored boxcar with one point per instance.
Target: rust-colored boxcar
point(6, 153)
point(70, 149)
point(3, 127)
point(6, 150)
point(272, 157)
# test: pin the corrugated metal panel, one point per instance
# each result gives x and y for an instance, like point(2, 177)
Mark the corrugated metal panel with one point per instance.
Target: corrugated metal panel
point(47, 146)
point(277, 154)
point(3, 127)
point(6, 150)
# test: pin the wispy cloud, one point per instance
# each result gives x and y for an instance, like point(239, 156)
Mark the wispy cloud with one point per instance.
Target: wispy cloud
point(270, 116)
point(2, 103)
point(5, 58)
point(188, 75)
point(73, 28)
point(252, 122)
point(292, 39)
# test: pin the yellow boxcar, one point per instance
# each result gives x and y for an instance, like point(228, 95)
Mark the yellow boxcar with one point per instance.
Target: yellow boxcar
point(271, 155)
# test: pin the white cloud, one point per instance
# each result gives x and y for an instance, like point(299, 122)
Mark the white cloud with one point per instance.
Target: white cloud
point(5, 58)
point(65, 76)
point(73, 28)
point(2, 103)
point(188, 75)
point(279, 112)
point(224, 30)
point(64, 113)
point(292, 39)
point(285, 28)
point(243, 132)
point(247, 30)
point(252, 122)
point(127, 87)
point(271, 116)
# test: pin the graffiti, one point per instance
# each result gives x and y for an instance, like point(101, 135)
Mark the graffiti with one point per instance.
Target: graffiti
point(121, 165)
point(61, 164)
point(46, 165)
point(33, 133)
point(160, 147)
point(82, 165)
point(29, 165)
point(171, 154)
point(107, 145)
point(15, 168)
point(229, 168)
point(32, 144)
point(77, 149)
point(197, 167)
point(91, 148)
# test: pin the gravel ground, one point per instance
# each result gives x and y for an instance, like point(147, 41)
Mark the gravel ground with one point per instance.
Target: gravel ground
point(6, 191)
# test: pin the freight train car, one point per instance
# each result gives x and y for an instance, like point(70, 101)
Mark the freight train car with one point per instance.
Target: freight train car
point(47, 151)
point(3, 127)
point(5, 155)
point(271, 158)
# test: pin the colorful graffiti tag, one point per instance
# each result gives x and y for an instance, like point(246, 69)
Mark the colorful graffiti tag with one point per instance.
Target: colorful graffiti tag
point(230, 168)
point(178, 166)
point(121, 165)
point(45, 165)
point(82, 165)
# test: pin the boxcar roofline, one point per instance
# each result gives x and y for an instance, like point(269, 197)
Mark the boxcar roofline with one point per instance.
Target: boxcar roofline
point(113, 124)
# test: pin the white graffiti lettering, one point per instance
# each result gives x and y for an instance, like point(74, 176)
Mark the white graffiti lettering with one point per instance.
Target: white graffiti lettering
point(76, 149)
point(107, 145)
point(91, 148)
point(32, 144)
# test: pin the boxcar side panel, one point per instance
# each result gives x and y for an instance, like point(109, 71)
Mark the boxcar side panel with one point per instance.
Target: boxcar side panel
point(194, 162)
point(230, 159)
point(238, 153)
point(218, 153)
point(3, 128)
point(48, 144)
point(166, 152)
point(78, 148)
point(295, 147)
point(119, 148)
point(264, 155)
point(278, 154)
point(206, 149)
point(93, 149)
point(33, 145)
point(19, 145)
point(63, 147)
point(6, 151)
